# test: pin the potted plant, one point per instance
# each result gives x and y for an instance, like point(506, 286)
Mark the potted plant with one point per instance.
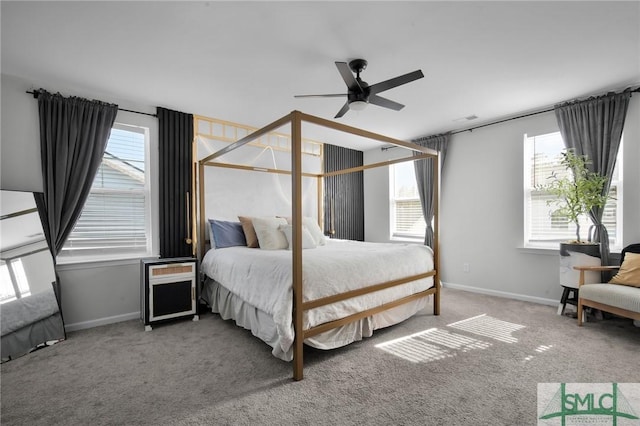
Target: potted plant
point(577, 191)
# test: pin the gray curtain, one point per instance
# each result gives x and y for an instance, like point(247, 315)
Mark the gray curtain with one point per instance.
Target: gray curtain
point(424, 178)
point(593, 127)
point(73, 136)
point(175, 145)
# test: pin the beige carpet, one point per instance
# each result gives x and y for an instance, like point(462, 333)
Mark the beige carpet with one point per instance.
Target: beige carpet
point(478, 363)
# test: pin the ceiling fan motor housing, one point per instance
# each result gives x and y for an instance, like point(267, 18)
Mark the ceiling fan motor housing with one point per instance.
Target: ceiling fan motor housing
point(358, 65)
point(354, 95)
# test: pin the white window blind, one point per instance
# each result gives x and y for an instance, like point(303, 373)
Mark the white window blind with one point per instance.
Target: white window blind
point(406, 215)
point(114, 220)
point(543, 227)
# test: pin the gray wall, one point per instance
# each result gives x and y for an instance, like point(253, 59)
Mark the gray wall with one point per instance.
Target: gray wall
point(38, 268)
point(482, 208)
point(20, 137)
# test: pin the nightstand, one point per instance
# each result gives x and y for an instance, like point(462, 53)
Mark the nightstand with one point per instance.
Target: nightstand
point(168, 289)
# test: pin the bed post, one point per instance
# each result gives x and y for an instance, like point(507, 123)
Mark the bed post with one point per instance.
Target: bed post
point(202, 213)
point(436, 233)
point(194, 203)
point(296, 196)
point(320, 192)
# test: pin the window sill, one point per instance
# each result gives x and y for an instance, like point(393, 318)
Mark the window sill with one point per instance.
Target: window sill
point(88, 263)
point(417, 240)
point(550, 251)
point(546, 251)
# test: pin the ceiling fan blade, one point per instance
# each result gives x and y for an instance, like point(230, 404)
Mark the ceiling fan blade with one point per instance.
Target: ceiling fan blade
point(384, 102)
point(332, 95)
point(347, 76)
point(343, 110)
point(394, 82)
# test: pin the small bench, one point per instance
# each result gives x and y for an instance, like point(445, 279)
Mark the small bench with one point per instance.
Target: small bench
point(618, 299)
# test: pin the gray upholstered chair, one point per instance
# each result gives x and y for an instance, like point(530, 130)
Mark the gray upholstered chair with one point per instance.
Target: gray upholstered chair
point(623, 300)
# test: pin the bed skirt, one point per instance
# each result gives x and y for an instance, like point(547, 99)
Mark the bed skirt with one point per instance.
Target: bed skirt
point(23, 340)
point(230, 306)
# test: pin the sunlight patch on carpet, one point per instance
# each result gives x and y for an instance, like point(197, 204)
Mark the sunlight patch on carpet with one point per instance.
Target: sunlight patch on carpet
point(540, 349)
point(431, 345)
point(487, 326)
point(543, 348)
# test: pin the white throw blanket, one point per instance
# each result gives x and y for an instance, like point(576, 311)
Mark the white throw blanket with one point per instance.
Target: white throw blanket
point(263, 278)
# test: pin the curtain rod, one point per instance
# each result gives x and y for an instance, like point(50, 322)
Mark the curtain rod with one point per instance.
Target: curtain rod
point(637, 89)
point(29, 253)
point(384, 148)
point(471, 129)
point(501, 121)
point(35, 95)
point(18, 213)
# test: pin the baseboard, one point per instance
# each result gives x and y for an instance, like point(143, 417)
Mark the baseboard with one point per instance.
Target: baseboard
point(101, 321)
point(135, 315)
point(505, 294)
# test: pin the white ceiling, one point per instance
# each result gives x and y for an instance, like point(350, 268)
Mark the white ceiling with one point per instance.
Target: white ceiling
point(244, 61)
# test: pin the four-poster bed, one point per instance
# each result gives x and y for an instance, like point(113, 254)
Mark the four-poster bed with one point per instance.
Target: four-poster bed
point(396, 287)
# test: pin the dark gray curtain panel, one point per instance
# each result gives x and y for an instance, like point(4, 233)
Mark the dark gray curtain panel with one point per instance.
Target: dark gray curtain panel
point(73, 136)
point(343, 194)
point(175, 157)
point(424, 178)
point(593, 127)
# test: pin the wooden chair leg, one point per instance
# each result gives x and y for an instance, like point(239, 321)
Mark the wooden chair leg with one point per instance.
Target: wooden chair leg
point(580, 312)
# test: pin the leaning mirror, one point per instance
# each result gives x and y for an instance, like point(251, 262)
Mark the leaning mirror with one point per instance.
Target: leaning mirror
point(29, 303)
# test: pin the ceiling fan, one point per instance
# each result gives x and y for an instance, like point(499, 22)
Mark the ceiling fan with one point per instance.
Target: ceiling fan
point(359, 93)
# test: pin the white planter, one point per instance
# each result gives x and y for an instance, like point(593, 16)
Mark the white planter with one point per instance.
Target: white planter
point(578, 254)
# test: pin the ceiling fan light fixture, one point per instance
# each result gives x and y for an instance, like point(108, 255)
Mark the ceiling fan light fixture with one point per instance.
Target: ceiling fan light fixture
point(358, 105)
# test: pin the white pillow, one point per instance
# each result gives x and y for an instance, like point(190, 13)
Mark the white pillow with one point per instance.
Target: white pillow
point(269, 236)
point(312, 226)
point(307, 240)
point(314, 229)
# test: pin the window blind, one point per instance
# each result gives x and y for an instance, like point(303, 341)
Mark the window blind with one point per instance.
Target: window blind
point(543, 225)
point(114, 217)
point(407, 219)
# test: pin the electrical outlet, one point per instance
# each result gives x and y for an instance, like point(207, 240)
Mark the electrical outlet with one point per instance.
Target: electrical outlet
point(465, 267)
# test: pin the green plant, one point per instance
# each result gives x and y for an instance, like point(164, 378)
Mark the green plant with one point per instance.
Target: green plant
point(578, 192)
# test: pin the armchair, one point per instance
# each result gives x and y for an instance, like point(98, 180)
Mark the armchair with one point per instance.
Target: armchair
point(621, 295)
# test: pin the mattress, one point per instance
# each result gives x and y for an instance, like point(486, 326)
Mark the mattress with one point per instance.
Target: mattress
point(254, 287)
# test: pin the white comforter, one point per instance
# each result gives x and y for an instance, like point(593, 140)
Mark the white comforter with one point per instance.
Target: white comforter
point(263, 277)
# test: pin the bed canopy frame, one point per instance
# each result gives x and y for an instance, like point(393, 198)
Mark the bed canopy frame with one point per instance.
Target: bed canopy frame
point(295, 119)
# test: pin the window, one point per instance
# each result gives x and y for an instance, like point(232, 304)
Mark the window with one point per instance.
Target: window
point(406, 216)
point(13, 281)
point(115, 220)
point(544, 227)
